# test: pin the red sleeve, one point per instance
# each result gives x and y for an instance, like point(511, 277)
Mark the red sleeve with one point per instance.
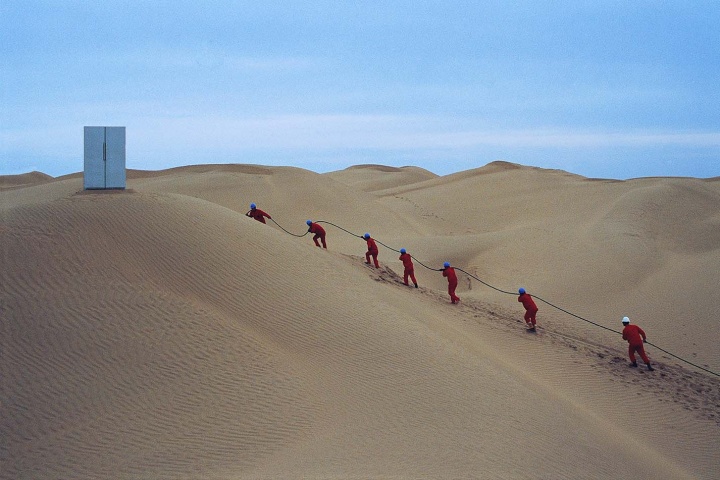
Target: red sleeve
point(641, 332)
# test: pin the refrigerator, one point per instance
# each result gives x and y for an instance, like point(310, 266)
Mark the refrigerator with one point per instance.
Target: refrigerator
point(104, 158)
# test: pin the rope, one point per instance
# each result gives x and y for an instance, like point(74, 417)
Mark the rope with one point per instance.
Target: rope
point(484, 283)
point(341, 228)
point(289, 233)
point(510, 293)
point(683, 360)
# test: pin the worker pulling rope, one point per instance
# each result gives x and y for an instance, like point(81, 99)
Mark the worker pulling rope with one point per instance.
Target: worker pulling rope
point(507, 292)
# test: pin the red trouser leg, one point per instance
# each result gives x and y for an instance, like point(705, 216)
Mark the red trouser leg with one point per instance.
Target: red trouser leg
point(409, 272)
point(530, 316)
point(374, 255)
point(641, 350)
point(451, 290)
point(631, 353)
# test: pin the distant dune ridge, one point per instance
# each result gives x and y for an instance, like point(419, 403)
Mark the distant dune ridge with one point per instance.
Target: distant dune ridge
point(160, 333)
point(25, 179)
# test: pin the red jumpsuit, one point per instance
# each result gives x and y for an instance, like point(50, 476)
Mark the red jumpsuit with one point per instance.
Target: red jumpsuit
point(319, 233)
point(449, 272)
point(409, 268)
point(258, 215)
point(372, 252)
point(635, 336)
point(530, 308)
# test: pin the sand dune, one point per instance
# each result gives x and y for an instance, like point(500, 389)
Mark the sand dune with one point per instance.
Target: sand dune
point(23, 180)
point(370, 178)
point(160, 333)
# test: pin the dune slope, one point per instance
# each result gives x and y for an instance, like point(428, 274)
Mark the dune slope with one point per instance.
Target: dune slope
point(646, 248)
point(156, 334)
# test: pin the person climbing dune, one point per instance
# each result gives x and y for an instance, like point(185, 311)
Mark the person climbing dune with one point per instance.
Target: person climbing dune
point(635, 337)
point(372, 250)
point(406, 259)
point(318, 231)
point(257, 214)
point(530, 309)
point(449, 272)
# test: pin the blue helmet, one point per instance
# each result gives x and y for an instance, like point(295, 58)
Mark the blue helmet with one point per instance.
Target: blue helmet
point(446, 264)
point(366, 236)
point(309, 222)
point(253, 206)
point(402, 250)
point(521, 291)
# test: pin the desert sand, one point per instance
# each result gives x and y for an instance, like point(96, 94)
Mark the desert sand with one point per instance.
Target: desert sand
point(159, 333)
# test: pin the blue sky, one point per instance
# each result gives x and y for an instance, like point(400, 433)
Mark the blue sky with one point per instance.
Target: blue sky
point(615, 89)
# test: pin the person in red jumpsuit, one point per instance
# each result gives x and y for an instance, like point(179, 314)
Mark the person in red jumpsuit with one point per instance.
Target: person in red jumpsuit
point(449, 272)
point(635, 337)
point(530, 309)
point(257, 214)
point(318, 231)
point(372, 250)
point(406, 259)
